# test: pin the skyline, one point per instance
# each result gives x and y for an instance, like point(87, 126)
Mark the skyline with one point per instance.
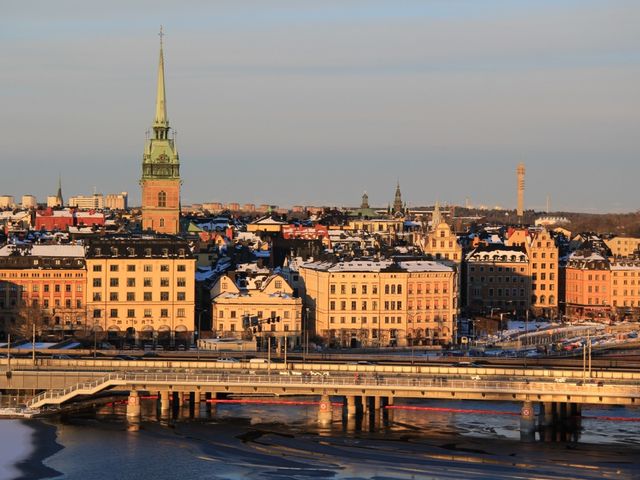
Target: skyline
point(550, 84)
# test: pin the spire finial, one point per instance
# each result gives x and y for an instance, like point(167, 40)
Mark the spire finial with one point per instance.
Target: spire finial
point(161, 123)
point(161, 34)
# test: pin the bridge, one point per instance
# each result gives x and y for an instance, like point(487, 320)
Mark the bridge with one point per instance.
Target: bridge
point(362, 388)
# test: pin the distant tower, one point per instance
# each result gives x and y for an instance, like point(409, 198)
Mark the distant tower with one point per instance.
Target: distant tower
point(160, 180)
point(521, 171)
point(397, 202)
point(436, 218)
point(59, 199)
point(365, 201)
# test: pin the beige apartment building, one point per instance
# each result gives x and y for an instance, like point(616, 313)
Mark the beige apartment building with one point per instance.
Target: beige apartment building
point(625, 288)
point(142, 288)
point(623, 246)
point(381, 302)
point(240, 306)
point(498, 279)
point(543, 256)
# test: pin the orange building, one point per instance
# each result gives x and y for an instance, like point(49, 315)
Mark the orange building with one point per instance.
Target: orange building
point(587, 286)
point(45, 281)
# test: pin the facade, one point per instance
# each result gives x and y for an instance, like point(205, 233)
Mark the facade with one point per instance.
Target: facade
point(87, 202)
point(625, 288)
point(544, 267)
point(45, 283)
point(381, 302)
point(442, 244)
point(7, 201)
point(498, 278)
point(116, 201)
point(587, 286)
point(236, 302)
point(29, 201)
point(623, 246)
point(160, 180)
point(141, 288)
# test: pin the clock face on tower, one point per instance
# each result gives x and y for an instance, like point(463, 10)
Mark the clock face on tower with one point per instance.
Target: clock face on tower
point(163, 158)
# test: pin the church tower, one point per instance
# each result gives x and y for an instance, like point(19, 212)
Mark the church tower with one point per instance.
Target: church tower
point(397, 202)
point(160, 180)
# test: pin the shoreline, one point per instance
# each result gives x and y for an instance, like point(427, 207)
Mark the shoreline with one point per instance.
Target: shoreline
point(44, 444)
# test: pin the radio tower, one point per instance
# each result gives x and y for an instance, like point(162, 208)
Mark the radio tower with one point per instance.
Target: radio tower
point(520, 211)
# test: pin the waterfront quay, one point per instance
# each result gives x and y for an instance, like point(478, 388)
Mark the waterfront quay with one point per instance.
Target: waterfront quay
point(545, 396)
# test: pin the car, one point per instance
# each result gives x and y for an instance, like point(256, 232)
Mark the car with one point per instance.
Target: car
point(124, 357)
point(560, 380)
point(227, 360)
point(475, 377)
point(60, 357)
point(150, 354)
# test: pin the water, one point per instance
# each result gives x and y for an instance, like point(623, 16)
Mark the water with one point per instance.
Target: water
point(16, 445)
point(278, 442)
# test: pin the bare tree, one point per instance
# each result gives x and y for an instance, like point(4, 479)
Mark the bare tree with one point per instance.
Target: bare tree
point(26, 318)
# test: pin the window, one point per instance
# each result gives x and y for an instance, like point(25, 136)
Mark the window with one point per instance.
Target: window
point(364, 289)
point(147, 282)
point(131, 297)
point(164, 313)
point(164, 296)
point(148, 268)
point(67, 303)
point(97, 313)
point(374, 289)
point(343, 289)
point(147, 296)
point(181, 296)
point(162, 222)
point(113, 296)
point(233, 314)
point(97, 282)
point(113, 282)
point(180, 312)
point(97, 268)
point(56, 288)
point(113, 313)
point(182, 282)
point(164, 282)
point(162, 199)
point(332, 289)
point(164, 268)
point(97, 297)
point(67, 288)
point(332, 305)
point(131, 268)
point(182, 268)
point(278, 284)
point(78, 303)
point(131, 312)
point(131, 282)
point(353, 305)
point(147, 313)
point(113, 268)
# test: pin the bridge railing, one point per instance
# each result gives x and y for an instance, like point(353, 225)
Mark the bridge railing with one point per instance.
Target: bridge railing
point(132, 379)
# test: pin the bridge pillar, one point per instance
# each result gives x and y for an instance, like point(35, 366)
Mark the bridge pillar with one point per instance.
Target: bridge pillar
point(376, 404)
point(527, 422)
point(165, 406)
point(351, 406)
point(133, 407)
point(325, 413)
point(546, 414)
point(197, 399)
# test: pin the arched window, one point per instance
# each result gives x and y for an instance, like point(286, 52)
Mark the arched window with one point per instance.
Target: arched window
point(552, 300)
point(162, 222)
point(162, 199)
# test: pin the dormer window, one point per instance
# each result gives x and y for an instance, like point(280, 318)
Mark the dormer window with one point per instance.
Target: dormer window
point(147, 252)
point(165, 252)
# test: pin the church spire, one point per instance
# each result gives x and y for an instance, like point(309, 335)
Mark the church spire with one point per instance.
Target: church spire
point(59, 199)
point(397, 202)
point(161, 123)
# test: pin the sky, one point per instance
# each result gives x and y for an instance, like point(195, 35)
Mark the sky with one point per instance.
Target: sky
point(300, 102)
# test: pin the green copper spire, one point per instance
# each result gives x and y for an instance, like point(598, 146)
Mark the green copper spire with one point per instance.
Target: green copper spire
point(161, 106)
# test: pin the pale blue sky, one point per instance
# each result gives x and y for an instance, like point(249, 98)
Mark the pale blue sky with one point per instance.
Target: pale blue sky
point(307, 102)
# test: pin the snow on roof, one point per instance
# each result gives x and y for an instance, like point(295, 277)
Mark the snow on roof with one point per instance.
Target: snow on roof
point(46, 251)
point(378, 266)
point(269, 221)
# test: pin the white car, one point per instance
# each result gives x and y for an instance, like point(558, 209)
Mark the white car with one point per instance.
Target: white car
point(560, 380)
point(227, 359)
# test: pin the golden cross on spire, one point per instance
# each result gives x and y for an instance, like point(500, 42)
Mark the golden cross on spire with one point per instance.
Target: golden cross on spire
point(161, 34)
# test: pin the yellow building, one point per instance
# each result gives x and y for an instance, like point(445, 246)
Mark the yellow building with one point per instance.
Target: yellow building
point(386, 227)
point(239, 305)
point(442, 244)
point(142, 289)
point(623, 246)
point(381, 303)
point(266, 224)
